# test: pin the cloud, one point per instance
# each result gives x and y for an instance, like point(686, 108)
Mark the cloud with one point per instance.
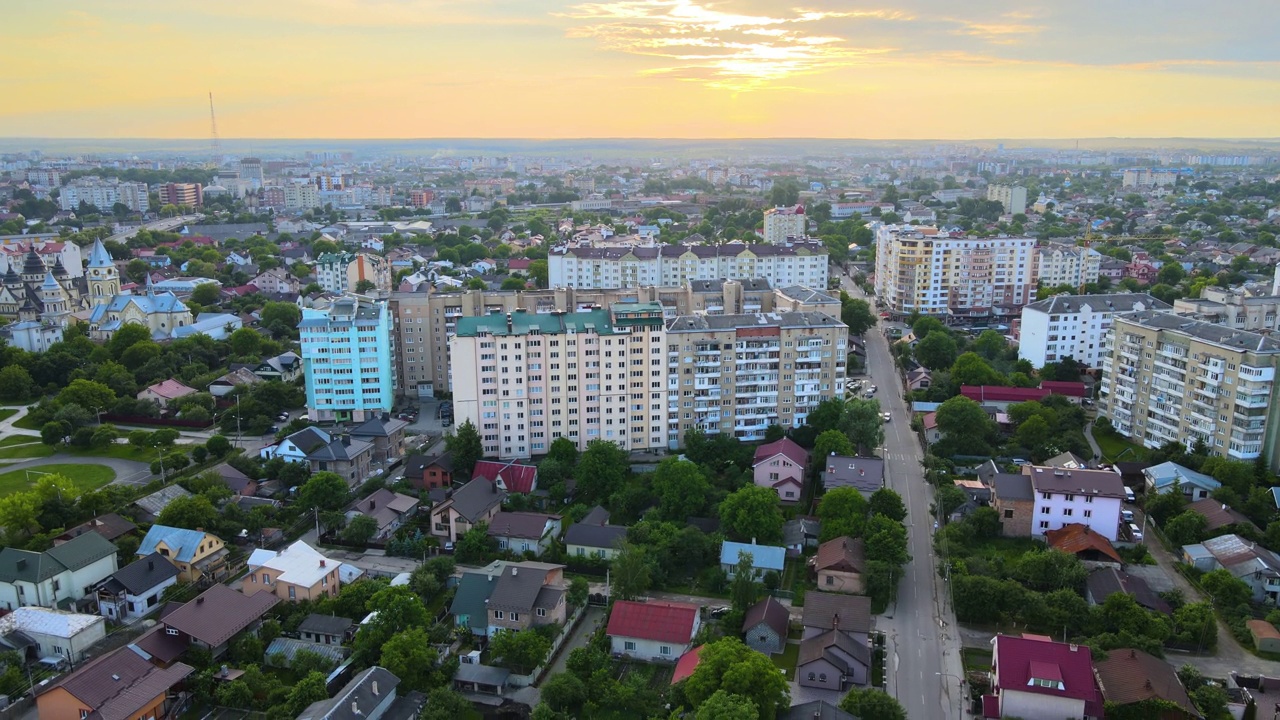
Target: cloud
point(721, 49)
point(1010, 29)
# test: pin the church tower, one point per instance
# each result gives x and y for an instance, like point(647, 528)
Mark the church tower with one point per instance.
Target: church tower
point(103, 277)
point(53, 299)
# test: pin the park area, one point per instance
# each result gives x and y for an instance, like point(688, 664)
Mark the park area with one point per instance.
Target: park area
point(85, 477)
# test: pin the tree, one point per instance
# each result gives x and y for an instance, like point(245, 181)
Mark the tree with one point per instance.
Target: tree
point(465, 447)
point(90, 395)
point(681, 488)
point(360, 530)
point(990, 344)
point(727, 706)
point(398, 609)
point(751, 513)
point(729, 665)
point(216, 445)
point(579, 590)
point(965, 423)
point(1033, 433)
point(15, 383)
point(521, 650)
point(308, 690)
point(937, 351)
point(1188, 528)
point(206, 294)
point(564, 692)
point(18, 512)
point(445, 704)
point(926, 326)
point(602, 470)
point(872, 704)
point(888, 503)
point(190, 512)
point(282, 314)
point(857, 315)
point(245, 342)
point(538, 271)
point(631, 572)
point(410, 657)
point(971, 369)
point(843, 512)
point(886, 541)
point(52, 432)
point(833, 442)
point(325, 490)
point(744, 590)
point(1227, 591)
point(1161, 506)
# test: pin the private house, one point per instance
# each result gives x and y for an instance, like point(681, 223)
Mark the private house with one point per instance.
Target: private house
point(119, 684)
point(368, 696)
point(163, 393)
point(524, 532)
point(1265, 636)
point(511, 477)
point(1219, 515)
point(429, 473)
point(299, 572)
point(284, 650)
point(1131, 676)
point(800, 533)
point(932, 433)
point(37, 632)
point(833, 660)
point(1068, 461)
point(527, 594)
point(824, 611)
point(345, 456)
point(1084, 543)
point(687, 663)
point(764, 558)
point(240, 484)
point(286, 367)
point(780, 466)
point(200, 556)
point(594, 537)
point(918, 379)
point(652, 631)
point(239, 377)
point(1255, 565)
point(386, 434)
point(390, 510)
point(277, 280)
point(1163, 477)
point(814, 710)
point(765, 625)
point(150, 506)
point(59, 577)
point(209, 621)
point(1013, 499)
point(474, 503)
point(135, 589)
point(1035, 678)
point(110, 526)
point(1103, 582)
point(326, 629)
point(865, 474)
point(1062, 496)
point(295, 447)
point(840, 564)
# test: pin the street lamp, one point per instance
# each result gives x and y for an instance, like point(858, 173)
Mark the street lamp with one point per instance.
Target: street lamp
point(959, 686)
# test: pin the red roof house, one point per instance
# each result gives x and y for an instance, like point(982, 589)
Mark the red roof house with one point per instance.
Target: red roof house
point(1059, 387)
point(660, 631)
point(1033, 675)
point(512, 477)
point(518, 264)
point(780, 466)
point(687, 664)
point(998, 394)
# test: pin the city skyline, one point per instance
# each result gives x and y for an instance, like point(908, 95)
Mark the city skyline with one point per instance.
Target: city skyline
point(917, 69)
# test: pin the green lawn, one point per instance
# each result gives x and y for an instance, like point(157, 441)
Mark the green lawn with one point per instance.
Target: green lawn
point(6, 413)
point(19, 440)
point(26, 422)
point(1113, 446)
point(123, 451)
point(975, 659)
point(787, 659)
point(1009, 548)
point(30, 450)
point(85, 476)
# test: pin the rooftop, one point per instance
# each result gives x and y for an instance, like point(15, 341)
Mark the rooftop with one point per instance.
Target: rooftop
point(144, 573)
point(843, 554)
point(1213, 334)
point(700, 323)
point(521, 322)
point(1129, 676)
point(831, 611)
point(763, 557)
point(785, 447)
point(120, 683)
point(526, 525)
point(1100, 483)
point(299, 564)
point(670, 622)
point(181, 543)
point(217, 614)
point(1115, 302)
point(1067, 669)
point(47, 622)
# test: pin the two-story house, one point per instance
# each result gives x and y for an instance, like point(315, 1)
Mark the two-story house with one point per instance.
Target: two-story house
point(835, 651)
point(510, 596)
point(474, 503)
point(654, 631)
point(780, 466)
point(865, 474)
point(1062, 496)
point(386, 434)
point(513, 477)
point(840, 565)
point(299, 572)
point(210, 621)
point(135, 589)
point(118, 684)
point(61, 576)
point(346, 456)
point(1035, 678)
point(429, 473)
point(285, 367)
point(390, 510)
point(1257, 566)
point(197, 554)
point(524, 532)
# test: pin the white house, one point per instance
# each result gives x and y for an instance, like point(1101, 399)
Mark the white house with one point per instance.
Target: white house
point(235, 258)
point(135, 589)
point(522, 532)
point(1062, 496)
point(1195, 485)
point(652, 631)
point(1256, 566)
point(1075, 326)
point(64, 573)
point(55, 634)
point(297, 446)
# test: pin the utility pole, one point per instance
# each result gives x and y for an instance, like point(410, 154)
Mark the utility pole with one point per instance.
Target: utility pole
point(237, 419)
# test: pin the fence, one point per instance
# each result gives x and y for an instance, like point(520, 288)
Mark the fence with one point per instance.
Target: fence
point(520, 681)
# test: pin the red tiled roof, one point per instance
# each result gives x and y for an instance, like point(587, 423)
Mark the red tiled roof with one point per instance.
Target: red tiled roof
point(996, 393)
point(171, 389)
point(1018, 659)
point(518, 264)
point(515, 477)
point(687, 664)
point(660, 621)
point(785, 446)
point(1075, 538)
point(1060, 387)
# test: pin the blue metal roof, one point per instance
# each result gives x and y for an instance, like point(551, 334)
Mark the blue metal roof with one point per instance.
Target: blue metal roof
point(180, 541)
point(763, 557)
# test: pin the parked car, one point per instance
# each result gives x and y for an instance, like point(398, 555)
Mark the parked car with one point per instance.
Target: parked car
point(1126, 516)
point(1135, 533)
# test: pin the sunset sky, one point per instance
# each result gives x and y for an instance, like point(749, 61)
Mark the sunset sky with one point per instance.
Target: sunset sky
point(641, 68)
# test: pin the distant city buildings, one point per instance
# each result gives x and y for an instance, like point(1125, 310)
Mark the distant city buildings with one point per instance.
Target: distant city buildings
point(1012, 197)
point(348, 358)
point(781, 223)
point(800, 263)
point(103, 194)
point(179, 194)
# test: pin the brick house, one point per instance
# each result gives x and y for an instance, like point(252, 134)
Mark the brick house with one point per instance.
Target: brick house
point(1013, 498)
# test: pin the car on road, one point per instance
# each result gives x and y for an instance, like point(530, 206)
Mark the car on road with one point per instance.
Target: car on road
point(272, 430)
point(283, 417)
point(718, 611)
point(887, 417)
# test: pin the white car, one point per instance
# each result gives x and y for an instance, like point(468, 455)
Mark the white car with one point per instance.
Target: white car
point(886, 416)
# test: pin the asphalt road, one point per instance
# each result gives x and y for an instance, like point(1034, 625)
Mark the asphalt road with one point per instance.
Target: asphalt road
point(923, 663)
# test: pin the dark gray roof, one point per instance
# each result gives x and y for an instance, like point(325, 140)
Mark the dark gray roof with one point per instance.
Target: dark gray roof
point(357, 699)
point(815, 710)
point(1116, 302)
point(864, 473)
point(476, 497)
point(597, 516)
point(1011, 486)
point(217, 614)
point(109, 526)
point(289, 647)
point(821, 610)
point(157, 501)
point(797, 531)
point(340, 450)
point(700, 323)
point(36, 567)
point(1067, 460)
point(1220, 335)
point(596, 536)
point(416, 464)
point(715, 286)
point(518, 587)
point(808, 295)
point(821, 647)
point(482, 674)
point(473, 590)
point(530, 526)
point(145, 573)
point(325, 624)
point(770, 612)
point(379, 427)
point(307, 439)
point(1106, 581)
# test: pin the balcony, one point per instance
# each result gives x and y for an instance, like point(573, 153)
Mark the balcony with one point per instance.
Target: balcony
point(1257, 374)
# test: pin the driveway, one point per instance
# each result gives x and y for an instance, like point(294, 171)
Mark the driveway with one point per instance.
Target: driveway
point(128, 472)
point(581, 636)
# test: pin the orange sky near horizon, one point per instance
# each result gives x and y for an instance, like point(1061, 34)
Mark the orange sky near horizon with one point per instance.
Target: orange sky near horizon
point(641, 68)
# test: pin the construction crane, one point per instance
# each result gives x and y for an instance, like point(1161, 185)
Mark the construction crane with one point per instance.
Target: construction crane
point(214, 143)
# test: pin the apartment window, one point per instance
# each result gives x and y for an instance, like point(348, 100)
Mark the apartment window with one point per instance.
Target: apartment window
point(1088, 498)
point(1088, 513)
point(1044, 524)
point(1070, 498)
point(515, 616)
point(1068, 512)
point(1046, 496)
point(1044, 510)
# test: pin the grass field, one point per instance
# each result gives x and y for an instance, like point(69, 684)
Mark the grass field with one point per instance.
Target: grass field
point(19, 440)
point(1113, 446)
point(25, 422)
point(15, 451)
point(787, 659)
point(85, 476)
point(6, 413)
point(122, 451)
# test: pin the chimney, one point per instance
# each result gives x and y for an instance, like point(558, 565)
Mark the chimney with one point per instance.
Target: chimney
point(835, 621)
point(151, 564)
point(753, 541)
point(355, 708)
point(321, 562)
point(346, 440)
point(371, 504)
point(200, 600)
point(375, 687)
point(22, 564)
point(1074, 647)
point(513, 571)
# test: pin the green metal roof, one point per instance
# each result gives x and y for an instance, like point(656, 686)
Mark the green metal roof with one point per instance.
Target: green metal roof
point(527, 323)
point(26, 566)
point(469, 600)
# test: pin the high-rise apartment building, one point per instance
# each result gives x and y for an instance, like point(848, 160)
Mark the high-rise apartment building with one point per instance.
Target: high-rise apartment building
point(739, 374)
point(524, 379)
point(1012, 197)
point(251, 171)
point(919, 269)
point(421, 198)
point(1171, 379)
point(1233, 308)
point(781, 223)
point(1075, 326)
point(800, 263)
point(348, 359)
point(103, 194)
point(1149, 177)
point(342, 272)
point(189, 194)
point(301, 197)
point(1058, 264)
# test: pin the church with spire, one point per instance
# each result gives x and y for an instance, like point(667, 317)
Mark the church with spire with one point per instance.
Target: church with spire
point(33, 292)
point(112, 308)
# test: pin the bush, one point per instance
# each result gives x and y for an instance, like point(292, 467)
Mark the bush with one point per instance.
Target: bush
point(199, 454)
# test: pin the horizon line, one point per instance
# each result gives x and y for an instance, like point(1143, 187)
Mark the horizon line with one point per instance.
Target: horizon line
point(651, 138)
